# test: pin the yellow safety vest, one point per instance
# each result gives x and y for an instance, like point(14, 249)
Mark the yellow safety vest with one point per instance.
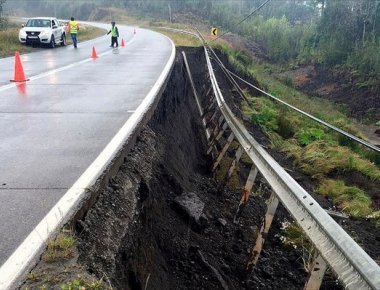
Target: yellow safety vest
point(73, 27)
point(114, 31)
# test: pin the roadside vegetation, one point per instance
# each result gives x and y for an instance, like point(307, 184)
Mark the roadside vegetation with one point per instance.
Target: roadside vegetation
point(342, 33)
point(179, 39)
point(316, 151)
point(51, 274)
point(61, 248)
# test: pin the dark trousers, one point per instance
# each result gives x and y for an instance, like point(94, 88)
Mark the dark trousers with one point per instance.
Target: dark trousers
point(74, 38)
point(114, 41)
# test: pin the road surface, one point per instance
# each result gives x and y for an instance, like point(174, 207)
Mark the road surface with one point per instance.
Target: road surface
point(55, 126)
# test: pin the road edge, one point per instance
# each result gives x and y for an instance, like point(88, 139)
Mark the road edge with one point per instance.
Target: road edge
point(72, 203)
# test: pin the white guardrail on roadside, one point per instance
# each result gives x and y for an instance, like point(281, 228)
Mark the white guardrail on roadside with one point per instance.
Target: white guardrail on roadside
point(352, 265)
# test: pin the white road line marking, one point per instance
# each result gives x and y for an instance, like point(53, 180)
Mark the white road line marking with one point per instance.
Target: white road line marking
point(23, 257)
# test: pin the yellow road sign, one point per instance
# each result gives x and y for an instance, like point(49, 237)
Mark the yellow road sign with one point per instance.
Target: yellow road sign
point(214, 31)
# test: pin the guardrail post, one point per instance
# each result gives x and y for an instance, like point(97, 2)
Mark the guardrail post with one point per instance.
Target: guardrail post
point(247, 190)
point(317, 273)
point(209, 108)
point(217, 138)
point(223, 152)
point(213, 116)
point(260, 240)
point(217, 126)
point(233, 165)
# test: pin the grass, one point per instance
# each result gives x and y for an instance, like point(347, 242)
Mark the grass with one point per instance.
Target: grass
point(9, 42)
point(317, 151)
point(294, 237)
point(350, 199)
point(81, 283)
point(323, 109)
point(61, 248)
point(180, 39)
point(70, 278)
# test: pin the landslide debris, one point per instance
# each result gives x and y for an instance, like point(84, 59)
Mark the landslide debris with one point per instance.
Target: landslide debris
point(163, 222)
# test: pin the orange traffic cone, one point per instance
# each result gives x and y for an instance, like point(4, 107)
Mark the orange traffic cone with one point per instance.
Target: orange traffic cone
point(19, 70)
point(94, 54)
point(122, 42)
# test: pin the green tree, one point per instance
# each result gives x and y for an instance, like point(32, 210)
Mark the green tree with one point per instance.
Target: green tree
point(3, 19)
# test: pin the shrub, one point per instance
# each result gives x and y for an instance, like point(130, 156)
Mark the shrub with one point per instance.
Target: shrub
point(264, 114)
point(309, 135)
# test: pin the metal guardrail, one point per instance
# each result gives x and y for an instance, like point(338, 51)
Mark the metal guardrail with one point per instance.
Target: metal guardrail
point(328, 125)
point(232, 75)
point(352, 265)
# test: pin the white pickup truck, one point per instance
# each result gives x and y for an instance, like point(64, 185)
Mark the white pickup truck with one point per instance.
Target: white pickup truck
point(43, 30)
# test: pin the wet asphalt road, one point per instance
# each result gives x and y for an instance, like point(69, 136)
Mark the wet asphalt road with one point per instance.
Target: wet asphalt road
point(55, 126)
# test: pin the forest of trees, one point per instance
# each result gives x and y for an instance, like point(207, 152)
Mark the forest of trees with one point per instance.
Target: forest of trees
point(332, 32)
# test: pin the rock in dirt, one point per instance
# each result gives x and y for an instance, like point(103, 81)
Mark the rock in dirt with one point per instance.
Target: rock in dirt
point(222, 222)
point(190, 204)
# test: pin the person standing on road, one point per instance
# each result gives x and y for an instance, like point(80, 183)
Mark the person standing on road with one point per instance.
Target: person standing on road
point(73, 29)
point(115, 34)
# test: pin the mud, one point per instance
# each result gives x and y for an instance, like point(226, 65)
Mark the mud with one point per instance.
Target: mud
point(135, 235)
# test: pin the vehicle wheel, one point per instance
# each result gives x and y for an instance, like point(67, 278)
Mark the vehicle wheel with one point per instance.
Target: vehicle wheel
point(52, 42)
point(63, 42)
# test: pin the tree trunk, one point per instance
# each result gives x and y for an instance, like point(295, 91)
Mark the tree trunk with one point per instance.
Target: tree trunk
point(374, 21)
point(170, 13)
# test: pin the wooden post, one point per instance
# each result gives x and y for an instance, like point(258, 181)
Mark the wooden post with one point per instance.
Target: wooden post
point(223, 152)
point(316, 273)
point(208, 108)
point(271, 210)
point(247, 190)
point(233, 165)
point(217, 137)
point(213, 116)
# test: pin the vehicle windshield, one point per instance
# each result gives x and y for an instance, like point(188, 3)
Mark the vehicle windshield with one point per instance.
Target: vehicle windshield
point(38, 23)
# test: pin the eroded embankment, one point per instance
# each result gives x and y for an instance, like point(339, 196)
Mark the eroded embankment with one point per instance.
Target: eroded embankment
point(135, 234)
point(138, 236)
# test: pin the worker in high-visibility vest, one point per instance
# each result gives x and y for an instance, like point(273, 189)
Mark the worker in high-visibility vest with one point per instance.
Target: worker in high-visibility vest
point(73, 29)
point(114, 34)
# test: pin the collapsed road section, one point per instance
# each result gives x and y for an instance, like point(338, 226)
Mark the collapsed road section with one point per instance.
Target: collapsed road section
point(164, 222)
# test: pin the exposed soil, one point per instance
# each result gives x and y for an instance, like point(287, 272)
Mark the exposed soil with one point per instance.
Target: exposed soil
point(162, 248)
point(136, 237)
point(342, 87)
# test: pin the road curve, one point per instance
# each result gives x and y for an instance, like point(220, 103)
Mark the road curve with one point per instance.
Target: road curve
point(55, 126)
